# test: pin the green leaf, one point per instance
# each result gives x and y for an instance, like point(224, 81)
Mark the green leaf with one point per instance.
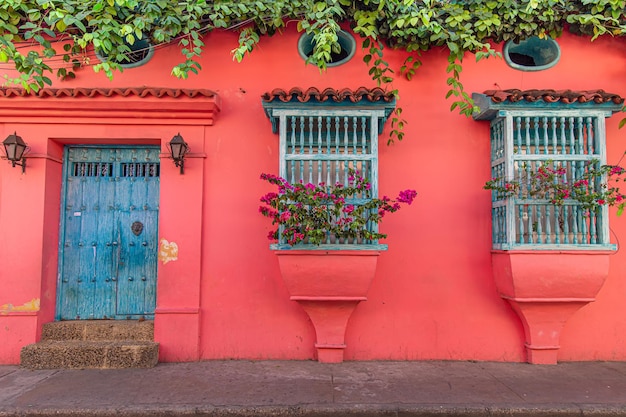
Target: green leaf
point(28, 26)
point(60, 26)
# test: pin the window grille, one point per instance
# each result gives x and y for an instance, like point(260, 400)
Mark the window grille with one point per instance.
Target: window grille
point(524, 141)
point(92, 169)
point(139, 169)
point(323, 145)
point(105, 169)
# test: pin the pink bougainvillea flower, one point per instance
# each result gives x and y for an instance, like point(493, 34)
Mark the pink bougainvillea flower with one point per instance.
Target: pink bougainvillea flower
point(313, 214)
point(348, 209)
point(407, 196)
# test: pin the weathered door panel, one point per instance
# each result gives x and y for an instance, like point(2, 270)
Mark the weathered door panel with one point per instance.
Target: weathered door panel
point(70, 251)
point(104, 251)
point(106, 269)
point(137, 279)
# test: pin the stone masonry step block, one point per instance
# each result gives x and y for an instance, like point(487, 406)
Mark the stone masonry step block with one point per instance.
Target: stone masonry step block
point(99, 330)
point(90, 354)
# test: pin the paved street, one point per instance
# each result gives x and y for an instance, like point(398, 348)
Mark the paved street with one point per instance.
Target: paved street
point(307, 388)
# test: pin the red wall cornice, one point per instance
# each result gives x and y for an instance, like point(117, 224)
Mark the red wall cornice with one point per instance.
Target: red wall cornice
point(137, 106)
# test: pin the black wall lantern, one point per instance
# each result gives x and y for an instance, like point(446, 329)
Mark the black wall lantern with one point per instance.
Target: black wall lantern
point(14, 147)
point(178, 149)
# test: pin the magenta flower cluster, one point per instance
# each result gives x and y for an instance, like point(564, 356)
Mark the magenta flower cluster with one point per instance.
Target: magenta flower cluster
point(316, 214)
point(595, 187)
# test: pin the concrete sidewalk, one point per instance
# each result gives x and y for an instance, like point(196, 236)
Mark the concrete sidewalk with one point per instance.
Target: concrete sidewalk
point(306, 388)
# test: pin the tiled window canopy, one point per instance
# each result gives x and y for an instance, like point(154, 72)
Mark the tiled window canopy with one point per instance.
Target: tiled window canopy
point(311, 98)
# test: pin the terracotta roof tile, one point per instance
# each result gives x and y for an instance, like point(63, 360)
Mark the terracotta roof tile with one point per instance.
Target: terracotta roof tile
point(142, 92)
point(354, 96)
point(554, 96)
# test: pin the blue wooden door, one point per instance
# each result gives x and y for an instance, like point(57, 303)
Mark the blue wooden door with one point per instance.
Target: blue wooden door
point(108, 248)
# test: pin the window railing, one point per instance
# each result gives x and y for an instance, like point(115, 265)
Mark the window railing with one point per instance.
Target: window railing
point(529, 139)
point(325, 146)
point(326, 142)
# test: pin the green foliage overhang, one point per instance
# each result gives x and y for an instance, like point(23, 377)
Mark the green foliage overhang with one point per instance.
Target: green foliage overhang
point(64, 31)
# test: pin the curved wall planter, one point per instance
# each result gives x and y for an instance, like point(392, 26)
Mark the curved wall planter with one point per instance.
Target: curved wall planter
point(545, 288)
point(328, 285)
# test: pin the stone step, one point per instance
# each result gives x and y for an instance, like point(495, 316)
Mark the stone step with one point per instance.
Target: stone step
point(73, 354)
point(102, 344)
point(99, 330)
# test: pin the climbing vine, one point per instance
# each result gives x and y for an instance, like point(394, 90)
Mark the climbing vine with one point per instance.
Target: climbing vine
point(44, 37)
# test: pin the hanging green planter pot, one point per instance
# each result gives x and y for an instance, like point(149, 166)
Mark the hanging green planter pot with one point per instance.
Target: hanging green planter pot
point(346, 42)
point(532, 54)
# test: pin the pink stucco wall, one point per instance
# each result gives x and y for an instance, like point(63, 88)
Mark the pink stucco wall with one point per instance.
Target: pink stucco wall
point(433, 296)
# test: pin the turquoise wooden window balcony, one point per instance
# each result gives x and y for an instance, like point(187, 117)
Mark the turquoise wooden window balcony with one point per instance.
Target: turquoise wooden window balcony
point(323, 139)
point(526, 136)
